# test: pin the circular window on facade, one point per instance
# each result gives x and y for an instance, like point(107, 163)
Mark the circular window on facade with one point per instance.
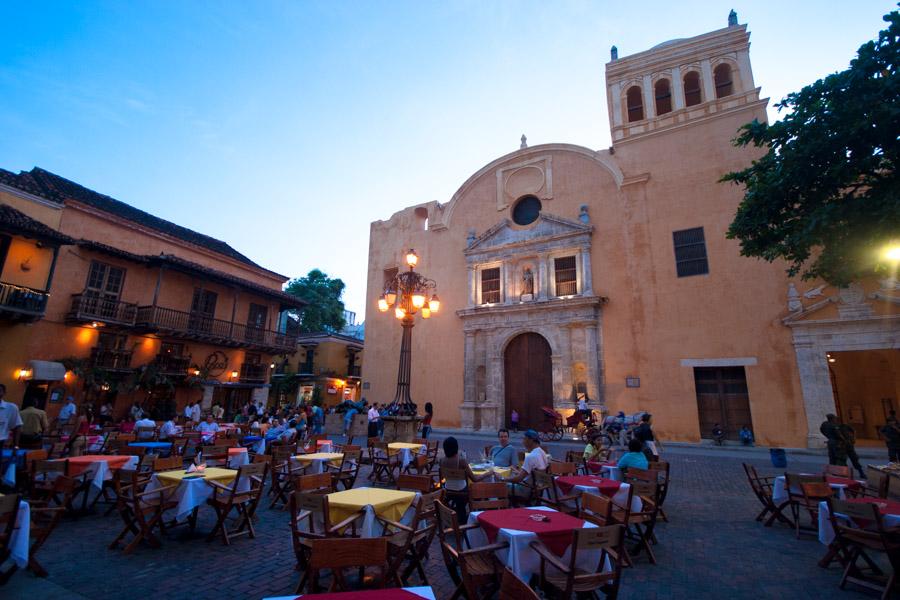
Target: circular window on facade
point(526, 210)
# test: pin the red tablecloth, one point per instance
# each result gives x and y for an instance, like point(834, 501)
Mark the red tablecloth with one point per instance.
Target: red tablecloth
point(596, 466)
point(386, 594)
point(885, 507)
point(556, 533)
point(233, 451)
point(80, 464)
point(851, 484)
point(607, 487)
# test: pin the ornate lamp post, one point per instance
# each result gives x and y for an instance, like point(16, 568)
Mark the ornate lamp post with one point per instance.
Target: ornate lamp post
point(408, 293)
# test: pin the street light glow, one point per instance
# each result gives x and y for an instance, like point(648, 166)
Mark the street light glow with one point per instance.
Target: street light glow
point(892, 253)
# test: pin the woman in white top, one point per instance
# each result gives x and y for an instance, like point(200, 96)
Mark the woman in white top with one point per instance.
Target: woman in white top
point(457, 489)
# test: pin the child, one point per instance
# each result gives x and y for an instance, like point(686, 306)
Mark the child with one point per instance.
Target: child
point(514, 420)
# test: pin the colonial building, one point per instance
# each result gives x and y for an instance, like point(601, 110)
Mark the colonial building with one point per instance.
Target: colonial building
point(568, 272)
point(327, 366)
point(106, 302)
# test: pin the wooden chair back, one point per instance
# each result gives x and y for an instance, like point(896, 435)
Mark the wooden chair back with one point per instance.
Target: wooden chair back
point(337, 554)
point(597, 509)
point(145, 433)
point(838, 471)
point(126, 437)
point(419, 483)
point(488, 496)
point(9, 509)
point(562, 468)
point(513, 588)
point(320, 483)
point(171, 463)
point(449, 474)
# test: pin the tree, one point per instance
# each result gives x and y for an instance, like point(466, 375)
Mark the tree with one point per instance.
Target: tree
point(325, 311)
point(825, 196)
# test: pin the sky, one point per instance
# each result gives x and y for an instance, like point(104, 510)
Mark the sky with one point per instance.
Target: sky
point(286, 128)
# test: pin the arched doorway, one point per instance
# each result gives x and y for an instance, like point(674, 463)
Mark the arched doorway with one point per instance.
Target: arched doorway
point(528, 378)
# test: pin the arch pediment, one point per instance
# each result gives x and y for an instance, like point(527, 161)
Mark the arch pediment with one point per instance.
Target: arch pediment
point(545, 233)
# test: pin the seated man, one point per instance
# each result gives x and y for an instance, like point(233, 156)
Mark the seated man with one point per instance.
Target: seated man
point(504, 455)
point(718, 434)
point(275, 431)
point(746, 436)
point(634, 457)
point(535, 458)
point(145, 422)
point(168, 430)
point(208, 429)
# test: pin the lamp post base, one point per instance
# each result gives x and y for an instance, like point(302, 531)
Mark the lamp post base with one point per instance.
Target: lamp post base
point(401, 428)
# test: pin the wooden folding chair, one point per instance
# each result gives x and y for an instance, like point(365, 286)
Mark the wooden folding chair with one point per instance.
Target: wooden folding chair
point(862, 531)
point(146, 434)
point(338, 554)
point(762, 489)
point(566, 580)
point(431, 452)
point(642, 522)
point(243, 495)
point(598, 510)
point(44, 520)
point(551, 496)
point(473, 570)
point(346, 473)
point(513, 588)
point(562, 468)
point(171, 463)
point(488, 496)
point(663, 471)
point(408, 543)
point(141, 510)
point(318, 483)
point(384, 463)
point(311, 520)
point(838, 471)
point(9, 509)
point(793, 483)
point(214, 456)
point(812, 494)
point(417, 483)
point(283, 473)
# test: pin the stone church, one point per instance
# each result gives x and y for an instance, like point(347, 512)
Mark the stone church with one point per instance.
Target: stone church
point(567, 272)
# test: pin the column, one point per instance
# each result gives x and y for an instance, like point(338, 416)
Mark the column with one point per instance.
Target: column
point(746, 72)
point(593, 361)
point(508, 285)
point(562, 368)
point(470, 277)
point(677, 89)
point(467, 408)
point(615, 103)
point(818, 396)
point(543, 284)
point(649, 100)
point(587, 285)
point(709, 87)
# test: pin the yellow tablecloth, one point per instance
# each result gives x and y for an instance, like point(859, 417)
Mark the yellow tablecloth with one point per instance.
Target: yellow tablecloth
point(398, 446)
point(211, 473)
point(498, 471)
point(334, 458)
point(390, 504)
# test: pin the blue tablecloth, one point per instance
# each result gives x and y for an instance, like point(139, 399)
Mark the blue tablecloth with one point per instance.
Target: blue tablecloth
point(20, 456)
point(251, 438)
point(152, 445)
point(8, 466)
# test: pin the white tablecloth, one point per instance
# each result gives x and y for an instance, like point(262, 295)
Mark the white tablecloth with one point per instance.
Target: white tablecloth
point(826, 531)
point(611, 472)
point(9, 475)
point(620, 497)
point(20, 542)
point(406, 456)
point(780, 494)
point(520, 557)
point(424, 592)
point(191, 493)
point(238, 460)
point(314, 466)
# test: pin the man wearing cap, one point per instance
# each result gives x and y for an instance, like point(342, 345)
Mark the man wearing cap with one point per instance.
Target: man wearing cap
point(68, 411)
point(535, 458)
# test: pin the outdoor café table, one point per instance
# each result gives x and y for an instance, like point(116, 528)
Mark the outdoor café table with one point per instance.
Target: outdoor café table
point(514, 525)
point(324, 446)
point(497, 473)
point(92, 443)
point(591, 484)
point(390, 504)
point(153, 447)
point(19, 542)
point(237, 457)
point(889, 509)
point(780, 493)
point(10, 465)
point(409, 593)
point(406, 451)
point(316, 460)
point(192, 491)
point(99, 467)
point(610, 471)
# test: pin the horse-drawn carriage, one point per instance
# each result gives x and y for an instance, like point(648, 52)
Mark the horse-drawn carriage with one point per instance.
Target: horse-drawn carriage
point(554, 426)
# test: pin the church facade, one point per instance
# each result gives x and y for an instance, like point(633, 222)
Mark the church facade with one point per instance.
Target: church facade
point(569, 273)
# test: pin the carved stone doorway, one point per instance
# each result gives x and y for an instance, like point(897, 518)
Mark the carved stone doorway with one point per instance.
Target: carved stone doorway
point(528, 378)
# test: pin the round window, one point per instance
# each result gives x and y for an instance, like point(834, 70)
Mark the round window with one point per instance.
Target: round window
point(526, 210)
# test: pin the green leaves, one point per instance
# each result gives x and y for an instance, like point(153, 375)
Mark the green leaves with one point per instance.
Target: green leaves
point(825, 197)
point(325, 311)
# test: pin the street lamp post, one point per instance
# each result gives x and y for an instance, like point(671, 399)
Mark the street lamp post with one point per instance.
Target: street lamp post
point(408, 293)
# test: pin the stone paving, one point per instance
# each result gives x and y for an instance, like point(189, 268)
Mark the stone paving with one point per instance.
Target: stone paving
point(712, 548)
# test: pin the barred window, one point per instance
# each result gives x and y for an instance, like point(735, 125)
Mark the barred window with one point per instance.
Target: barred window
point(723, 80)
point(692, 94)
point(690, 252)
point(663, 97)
point(565, 276)
point(490, 285)
point(635, 103)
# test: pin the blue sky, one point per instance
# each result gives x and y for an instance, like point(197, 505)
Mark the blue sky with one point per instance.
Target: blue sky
point(285, 128)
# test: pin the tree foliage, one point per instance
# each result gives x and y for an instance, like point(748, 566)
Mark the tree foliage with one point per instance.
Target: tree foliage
point(825, 197)
point(325, 311)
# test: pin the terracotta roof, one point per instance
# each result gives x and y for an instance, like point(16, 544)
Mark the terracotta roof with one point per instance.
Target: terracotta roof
point(18, 222)
point(59, 189)
point(177, 263)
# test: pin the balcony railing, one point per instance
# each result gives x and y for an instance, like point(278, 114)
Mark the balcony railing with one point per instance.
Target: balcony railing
point(253, 372)
point(172, 364)
point(112, 360)
point(354, 371)
point(89, 308)
point(199, 327)
point(22, 303)
point(566, 288)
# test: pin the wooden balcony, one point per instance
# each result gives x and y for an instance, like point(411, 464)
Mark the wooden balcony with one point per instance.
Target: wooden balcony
point(202, 328)
point(18, 303)
point(253, 373)
point(172, 364)
point(88, 309)
point(111, 360)
point(354, 371)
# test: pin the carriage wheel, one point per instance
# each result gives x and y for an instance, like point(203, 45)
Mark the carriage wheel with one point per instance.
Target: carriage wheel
point(558, 434)
point(545, 436)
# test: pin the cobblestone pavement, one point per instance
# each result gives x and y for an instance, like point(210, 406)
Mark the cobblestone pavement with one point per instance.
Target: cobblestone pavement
point(712, 548)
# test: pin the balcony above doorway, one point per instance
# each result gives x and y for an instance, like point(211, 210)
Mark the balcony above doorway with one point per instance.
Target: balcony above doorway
point(253, 373)
point(91, 309)
point(21, 304)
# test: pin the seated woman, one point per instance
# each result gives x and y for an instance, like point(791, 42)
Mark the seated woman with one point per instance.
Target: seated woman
point(595, 454)
point(457, 492)
point(634, 457)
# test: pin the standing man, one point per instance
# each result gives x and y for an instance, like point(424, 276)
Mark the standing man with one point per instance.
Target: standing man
point(644, 433)
point(891, 433)
point(504, 455)
point(10, 421)
point(848, 438)
point(829, 429)
point(68, 411)
point(374, 419)
point(34, 424)
point(195, 412)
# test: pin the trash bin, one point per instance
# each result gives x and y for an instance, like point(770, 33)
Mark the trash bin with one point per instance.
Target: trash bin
point(779, 458)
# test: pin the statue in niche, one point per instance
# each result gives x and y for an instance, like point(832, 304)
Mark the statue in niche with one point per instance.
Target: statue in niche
point(527, 284)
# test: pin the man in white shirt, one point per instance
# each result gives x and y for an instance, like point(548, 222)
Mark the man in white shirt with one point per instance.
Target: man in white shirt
point(535, 458)
point(10, 421)
point(374, 418)
point(217, 411)
point(187, 411)
point(195, 412)
point(68, 411)
point(208, 428)
point(168, 430)
point(144, 422)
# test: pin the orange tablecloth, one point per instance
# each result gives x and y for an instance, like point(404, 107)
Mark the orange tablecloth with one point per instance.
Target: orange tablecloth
point(80, 464)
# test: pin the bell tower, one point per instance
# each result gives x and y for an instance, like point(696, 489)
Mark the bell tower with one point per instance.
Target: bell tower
point(679, 82)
